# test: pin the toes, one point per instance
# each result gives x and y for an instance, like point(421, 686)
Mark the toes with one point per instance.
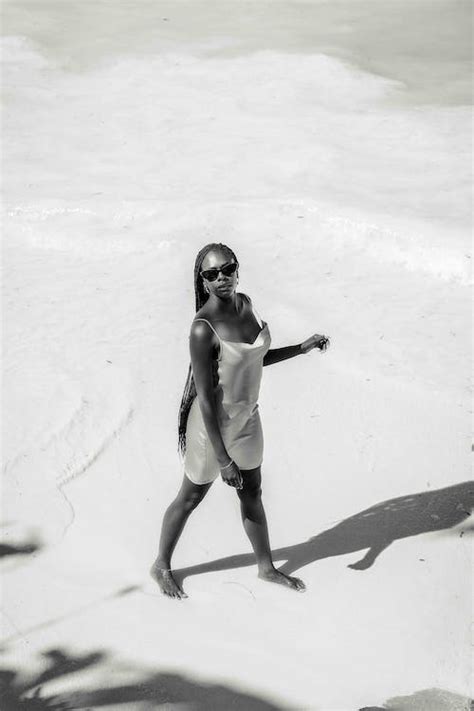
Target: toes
point(288, 580)
point(300, 584)
point(169, 587)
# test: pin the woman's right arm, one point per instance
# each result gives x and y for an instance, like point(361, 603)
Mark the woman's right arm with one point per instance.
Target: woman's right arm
point(201, 347)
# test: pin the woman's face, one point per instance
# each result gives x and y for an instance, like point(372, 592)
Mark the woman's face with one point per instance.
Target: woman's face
point(225, 284)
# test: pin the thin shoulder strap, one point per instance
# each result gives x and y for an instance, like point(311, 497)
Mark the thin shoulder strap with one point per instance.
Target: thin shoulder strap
point(257, 316)
point(209, 324)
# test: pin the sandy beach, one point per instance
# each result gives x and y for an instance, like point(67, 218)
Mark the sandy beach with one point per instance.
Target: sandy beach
point(337, 167)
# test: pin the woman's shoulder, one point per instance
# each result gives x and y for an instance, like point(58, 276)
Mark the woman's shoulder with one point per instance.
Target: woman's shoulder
point(202, 327)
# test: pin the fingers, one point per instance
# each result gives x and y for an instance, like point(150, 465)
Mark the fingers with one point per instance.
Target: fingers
point(323, 343)
point(239, 481)
point(233, 476)
point(236, 481)
point(318, 341)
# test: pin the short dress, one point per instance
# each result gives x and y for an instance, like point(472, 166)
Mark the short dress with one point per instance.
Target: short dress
point(236, 395)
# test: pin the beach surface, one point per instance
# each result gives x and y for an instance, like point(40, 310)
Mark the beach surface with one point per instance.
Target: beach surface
point(336, 165)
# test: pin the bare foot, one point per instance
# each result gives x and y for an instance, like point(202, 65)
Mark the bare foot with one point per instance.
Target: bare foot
point(166, 582)
point(275, 576)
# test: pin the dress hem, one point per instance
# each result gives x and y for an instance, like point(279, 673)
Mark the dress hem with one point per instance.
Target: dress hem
point(200, 483)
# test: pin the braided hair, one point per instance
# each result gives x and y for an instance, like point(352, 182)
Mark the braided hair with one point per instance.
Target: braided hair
point(201, 296)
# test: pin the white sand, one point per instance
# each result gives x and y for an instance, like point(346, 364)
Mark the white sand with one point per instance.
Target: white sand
point(348, 215)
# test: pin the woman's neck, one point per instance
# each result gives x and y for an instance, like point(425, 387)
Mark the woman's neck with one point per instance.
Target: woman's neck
point(224, 305)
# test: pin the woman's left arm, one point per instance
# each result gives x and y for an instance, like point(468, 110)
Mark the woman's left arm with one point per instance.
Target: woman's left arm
point(275, 355)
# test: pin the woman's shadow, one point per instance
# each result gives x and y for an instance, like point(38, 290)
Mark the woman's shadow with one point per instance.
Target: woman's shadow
point(372, 530)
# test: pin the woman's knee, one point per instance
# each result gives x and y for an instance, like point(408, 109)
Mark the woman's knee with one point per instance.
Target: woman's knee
point(190, 500)
point(251, 490)
point(190, 494)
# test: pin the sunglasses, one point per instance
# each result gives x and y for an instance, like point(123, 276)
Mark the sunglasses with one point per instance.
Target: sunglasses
point(226, 269)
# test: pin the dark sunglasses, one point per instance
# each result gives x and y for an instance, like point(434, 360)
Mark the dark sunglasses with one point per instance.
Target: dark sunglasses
point(226, 269)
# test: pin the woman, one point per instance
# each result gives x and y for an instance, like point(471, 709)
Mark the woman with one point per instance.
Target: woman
point(219, 424)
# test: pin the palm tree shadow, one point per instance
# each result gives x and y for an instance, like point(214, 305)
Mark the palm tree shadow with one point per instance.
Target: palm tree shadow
point(27, 695)
point(371, 530)
point(156, 689)
point(8, 549)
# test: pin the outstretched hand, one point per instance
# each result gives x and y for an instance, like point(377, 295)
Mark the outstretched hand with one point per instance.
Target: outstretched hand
point(316, 341)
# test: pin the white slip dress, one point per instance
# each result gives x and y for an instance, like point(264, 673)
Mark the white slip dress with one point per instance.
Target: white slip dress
point(236, 395)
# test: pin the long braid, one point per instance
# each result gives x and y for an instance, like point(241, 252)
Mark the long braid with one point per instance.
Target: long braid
point(201, 296)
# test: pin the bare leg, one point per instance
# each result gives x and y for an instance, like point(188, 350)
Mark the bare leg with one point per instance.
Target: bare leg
point(255, 525)
point(174, 520)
